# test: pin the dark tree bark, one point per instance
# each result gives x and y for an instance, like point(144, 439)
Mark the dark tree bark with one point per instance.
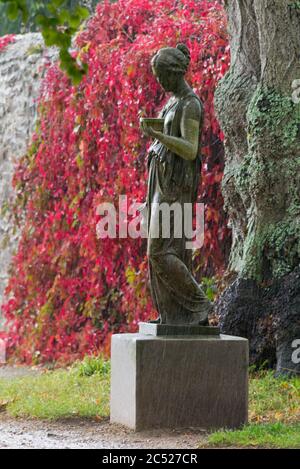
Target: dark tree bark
point(261, 184)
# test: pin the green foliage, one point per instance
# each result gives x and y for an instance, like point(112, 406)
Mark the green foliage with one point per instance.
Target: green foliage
point(57, 28)
point(209, 286)
point(18, 25)
point(92, 365)
point(58, 21)
point(14, 7)
point(12, 22)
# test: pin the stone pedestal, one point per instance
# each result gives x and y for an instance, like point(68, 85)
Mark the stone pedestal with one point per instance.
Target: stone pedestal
point(179, 381)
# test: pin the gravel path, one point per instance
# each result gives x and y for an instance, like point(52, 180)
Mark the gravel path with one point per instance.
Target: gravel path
point(11, 372)
point(17, 434)
point(37, 434)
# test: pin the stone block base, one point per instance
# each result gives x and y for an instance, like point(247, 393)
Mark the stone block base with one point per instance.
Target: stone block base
point(177, 382)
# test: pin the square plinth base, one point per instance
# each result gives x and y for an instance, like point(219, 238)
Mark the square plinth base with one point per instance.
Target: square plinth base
point(176, 382)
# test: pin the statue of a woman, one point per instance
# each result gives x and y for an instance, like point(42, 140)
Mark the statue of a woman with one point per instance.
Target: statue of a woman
point(174, 167)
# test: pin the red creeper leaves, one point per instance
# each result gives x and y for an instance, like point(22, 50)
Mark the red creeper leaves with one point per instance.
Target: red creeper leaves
point(5, 40)
point(69, 291)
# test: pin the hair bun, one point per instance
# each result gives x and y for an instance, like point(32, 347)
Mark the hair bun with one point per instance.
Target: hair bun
point(185, 50)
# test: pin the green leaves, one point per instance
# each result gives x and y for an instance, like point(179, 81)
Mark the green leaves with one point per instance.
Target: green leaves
point(71, 67)
point(16, 7)
point(58, 3)
point(57, 24)
point(12, 11)
point(58, 29)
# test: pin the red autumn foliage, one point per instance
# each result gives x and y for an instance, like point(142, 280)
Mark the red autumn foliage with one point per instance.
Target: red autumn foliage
point(5, 40)
point(68, 290)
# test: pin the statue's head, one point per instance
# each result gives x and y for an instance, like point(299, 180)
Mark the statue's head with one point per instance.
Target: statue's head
point(170, 64)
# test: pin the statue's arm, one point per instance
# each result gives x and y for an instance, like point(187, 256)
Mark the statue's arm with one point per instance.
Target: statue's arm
point(185, 146)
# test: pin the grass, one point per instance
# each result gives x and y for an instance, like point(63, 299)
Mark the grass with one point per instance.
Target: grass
point(269, 435)
point(274, 415)
point(274, 399)
point(83, 391)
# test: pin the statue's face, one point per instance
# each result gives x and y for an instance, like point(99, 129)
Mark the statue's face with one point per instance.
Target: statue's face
point(167, 80)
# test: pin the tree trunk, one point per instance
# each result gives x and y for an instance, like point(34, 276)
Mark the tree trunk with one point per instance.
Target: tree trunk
point(260, 115)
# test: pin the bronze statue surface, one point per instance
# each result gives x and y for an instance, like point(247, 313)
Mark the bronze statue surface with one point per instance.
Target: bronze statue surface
point(174, 167)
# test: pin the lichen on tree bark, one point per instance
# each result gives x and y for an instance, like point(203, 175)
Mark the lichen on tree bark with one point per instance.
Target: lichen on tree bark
point(261, 185)
point(261, 124)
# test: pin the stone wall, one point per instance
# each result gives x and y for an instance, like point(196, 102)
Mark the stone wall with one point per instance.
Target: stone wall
point(22, 65)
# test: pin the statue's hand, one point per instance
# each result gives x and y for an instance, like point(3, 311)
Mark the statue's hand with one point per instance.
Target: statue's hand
point(149, 131)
